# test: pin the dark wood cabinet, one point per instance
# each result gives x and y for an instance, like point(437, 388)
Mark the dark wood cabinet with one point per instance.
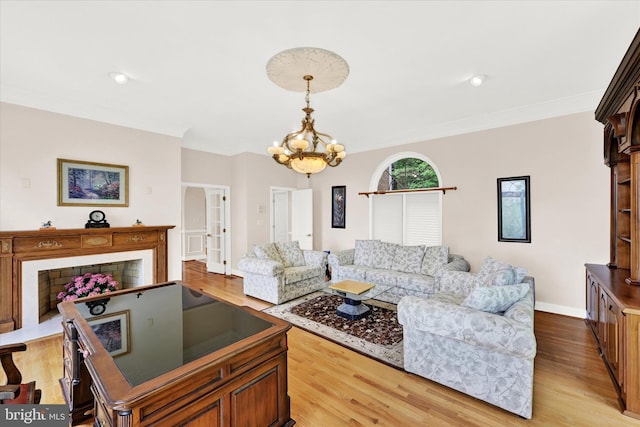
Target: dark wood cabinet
point(613, 315)
point(610, 334)
point(190, 360)
point(613, 290)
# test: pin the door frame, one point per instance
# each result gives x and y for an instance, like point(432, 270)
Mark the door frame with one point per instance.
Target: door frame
point(227, 214)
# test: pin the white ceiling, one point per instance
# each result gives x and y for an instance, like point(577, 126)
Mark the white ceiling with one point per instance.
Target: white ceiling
point(197, 68)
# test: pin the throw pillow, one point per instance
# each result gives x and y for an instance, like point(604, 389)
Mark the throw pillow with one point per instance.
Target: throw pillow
point(362, 254)
point(495, 273)
point(408, 259)
point(495, 299)
point(383, 254)
point(291, 254)
point(268, 251)
point(520, 274)
point(434, 258)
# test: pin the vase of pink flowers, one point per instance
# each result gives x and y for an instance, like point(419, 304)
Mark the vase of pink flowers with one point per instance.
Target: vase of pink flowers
point(89, 285)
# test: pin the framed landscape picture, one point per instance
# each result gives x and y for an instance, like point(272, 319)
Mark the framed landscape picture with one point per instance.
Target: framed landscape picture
point(338, 206)
point(113, 332)
point(514, 210)
point(92, 184)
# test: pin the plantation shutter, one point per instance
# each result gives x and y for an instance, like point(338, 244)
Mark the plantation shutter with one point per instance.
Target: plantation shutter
point(386, 221)
point(422, 222)
point(407, 219)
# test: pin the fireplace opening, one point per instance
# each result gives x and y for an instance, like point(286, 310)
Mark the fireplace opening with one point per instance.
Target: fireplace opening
point(127, 273)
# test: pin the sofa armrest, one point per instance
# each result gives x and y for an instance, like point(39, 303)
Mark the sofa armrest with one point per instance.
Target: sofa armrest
point(266, 267)
point(318, 258)
point(486, 330)
point(345, 257)
point(457, 263)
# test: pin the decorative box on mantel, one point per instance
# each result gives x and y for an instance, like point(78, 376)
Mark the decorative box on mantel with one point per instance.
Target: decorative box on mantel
point(17, 247)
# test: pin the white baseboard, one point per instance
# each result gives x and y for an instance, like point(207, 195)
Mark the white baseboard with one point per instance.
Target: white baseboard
point(580, 313)
point(237, 273)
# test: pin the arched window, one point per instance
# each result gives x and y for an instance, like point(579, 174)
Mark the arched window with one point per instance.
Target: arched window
point(411, 218)
point(409, 173)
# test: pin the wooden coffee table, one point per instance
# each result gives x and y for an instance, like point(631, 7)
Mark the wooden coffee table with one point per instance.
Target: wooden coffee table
point(354, 293)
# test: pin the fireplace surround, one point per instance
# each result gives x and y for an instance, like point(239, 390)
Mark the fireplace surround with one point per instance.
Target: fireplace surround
point(19, 248)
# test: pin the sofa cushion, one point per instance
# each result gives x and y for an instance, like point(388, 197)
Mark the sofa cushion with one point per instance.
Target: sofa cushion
point(353, 272)
point(408, 259)
point(291, 254)
point(382, 255)
point(296, 274)
point(268, 251)
point(419, 283)
point(379, 276)
point(434, 258)
point(364, 249)
point(495, 299)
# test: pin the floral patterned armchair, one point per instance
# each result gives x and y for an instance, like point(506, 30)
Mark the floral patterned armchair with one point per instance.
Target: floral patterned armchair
point(279, 272)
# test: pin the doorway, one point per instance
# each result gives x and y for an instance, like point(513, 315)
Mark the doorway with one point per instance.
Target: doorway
point(206, 226)
point(292, 216)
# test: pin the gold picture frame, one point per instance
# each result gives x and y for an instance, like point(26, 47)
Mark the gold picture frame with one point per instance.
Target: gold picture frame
point(83, 183)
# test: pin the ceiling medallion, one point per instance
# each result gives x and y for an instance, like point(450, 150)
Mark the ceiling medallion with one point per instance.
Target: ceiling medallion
point(307, 150)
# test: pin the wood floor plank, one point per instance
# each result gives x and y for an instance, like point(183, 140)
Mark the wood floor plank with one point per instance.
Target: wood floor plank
point(330, 385)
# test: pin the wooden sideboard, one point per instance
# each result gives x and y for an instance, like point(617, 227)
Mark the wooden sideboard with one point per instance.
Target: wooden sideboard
point(188, 360)
point(613, 290)
point(613, 314)
point(17, 247)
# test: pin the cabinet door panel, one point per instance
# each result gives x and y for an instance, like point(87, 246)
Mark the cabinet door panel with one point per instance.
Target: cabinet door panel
point(261, 396)
point(592, 303)
point(614, 343)
point(602, 321)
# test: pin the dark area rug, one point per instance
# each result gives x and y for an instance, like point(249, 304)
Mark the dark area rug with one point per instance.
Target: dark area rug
point(379, 335)
point(379, 327)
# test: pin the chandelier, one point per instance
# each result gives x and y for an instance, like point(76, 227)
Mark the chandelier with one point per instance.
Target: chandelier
point(307, 150)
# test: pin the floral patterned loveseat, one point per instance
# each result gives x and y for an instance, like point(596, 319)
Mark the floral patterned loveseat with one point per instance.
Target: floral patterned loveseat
point(279, 272)
point(410, 270)
point(475, 335)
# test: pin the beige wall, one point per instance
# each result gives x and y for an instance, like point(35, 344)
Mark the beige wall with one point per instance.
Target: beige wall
point(250, 177)
point(194, 214)
point(569, 200)
point(563, 156)
point(30, 142)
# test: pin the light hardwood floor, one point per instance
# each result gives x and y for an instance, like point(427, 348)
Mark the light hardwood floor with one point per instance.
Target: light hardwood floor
point(332, 386)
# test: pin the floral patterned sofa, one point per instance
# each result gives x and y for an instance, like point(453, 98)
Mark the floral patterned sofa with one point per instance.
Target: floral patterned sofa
point(475, 335)
point(279, 272)
point(411, 270)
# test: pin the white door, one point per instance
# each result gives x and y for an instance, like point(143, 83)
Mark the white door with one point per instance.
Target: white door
point(280, 215)
point(302, 218)
point(217, 236)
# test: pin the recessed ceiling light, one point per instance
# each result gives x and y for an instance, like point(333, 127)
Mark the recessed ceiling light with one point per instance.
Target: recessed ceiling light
point(119, 78)
point(477, 80)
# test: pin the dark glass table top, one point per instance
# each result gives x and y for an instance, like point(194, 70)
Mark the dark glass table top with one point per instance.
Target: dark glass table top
point(156, 330)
